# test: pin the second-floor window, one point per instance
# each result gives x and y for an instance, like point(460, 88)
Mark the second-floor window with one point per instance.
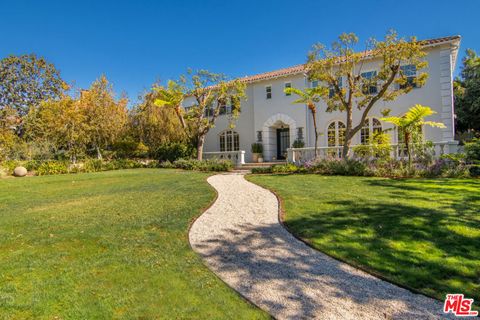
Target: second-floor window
point(314, 83)
point(410, 73)
point(288, 85)
point(209, 111)
point(331, 91)
point(268, 92)
point(225, 109)
point(369, 85)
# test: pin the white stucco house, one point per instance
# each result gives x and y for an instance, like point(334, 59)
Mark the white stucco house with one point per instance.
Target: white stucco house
point(269, 116)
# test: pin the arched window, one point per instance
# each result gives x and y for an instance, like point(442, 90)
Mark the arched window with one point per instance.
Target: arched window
point(336, 134)
point(370, 127)
point(229, 141)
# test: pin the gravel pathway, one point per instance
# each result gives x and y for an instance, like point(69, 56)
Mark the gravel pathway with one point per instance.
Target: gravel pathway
point(242, 241)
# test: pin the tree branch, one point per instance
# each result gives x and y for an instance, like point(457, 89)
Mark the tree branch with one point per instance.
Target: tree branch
point(377, 97)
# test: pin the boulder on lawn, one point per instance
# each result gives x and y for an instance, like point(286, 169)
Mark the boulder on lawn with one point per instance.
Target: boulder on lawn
point(20, 172)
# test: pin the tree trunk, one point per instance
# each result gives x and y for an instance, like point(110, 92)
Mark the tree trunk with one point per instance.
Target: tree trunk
point(346, 146)
point(180, 117)
point(407, 145)
point(200, 142)
point(348, 134)
point(99, 154)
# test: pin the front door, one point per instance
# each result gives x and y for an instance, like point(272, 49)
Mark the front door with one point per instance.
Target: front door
point(283, 142)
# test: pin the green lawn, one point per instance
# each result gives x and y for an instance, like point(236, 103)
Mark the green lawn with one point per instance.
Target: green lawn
point(108, 245)
point(424, 234)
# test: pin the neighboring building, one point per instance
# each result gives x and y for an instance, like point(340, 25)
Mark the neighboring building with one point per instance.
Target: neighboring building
point(269, 116)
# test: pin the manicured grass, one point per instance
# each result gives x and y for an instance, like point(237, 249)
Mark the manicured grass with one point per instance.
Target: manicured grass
point(424, 234)
point(110, 245)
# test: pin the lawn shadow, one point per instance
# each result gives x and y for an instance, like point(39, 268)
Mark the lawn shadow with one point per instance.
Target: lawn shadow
point(274, 270)
point(411, 245)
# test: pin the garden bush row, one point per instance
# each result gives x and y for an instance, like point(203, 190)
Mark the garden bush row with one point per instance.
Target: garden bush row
point(199, 165)
point(52, 167)
point(394, 169)
point(375, 161)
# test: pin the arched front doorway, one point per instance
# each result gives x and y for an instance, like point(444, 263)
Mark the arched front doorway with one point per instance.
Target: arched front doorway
point(278, 135)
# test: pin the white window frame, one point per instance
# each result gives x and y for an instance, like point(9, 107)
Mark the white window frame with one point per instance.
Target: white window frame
point(266, 92)
point(414, 85)
point(337, 132)
point(285, 87)
point(375, 72)
point(331, 91)
point(369, 129)
point(234, 143)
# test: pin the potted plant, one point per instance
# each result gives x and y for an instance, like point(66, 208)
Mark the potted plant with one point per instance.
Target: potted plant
point(257, 152)
point(298, 144)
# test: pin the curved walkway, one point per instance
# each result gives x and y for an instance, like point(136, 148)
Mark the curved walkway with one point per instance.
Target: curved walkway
point(242, 241)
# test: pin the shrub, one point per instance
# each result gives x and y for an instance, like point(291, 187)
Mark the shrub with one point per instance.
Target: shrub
point(349, 167)
point(378, 148)
point(262, 170)
point(122, 164)
point(472, 151)
point(10, 165)
point(174, 151)
point(32, 165)
point(52, 167)
point(298, 144)
point(93, 165)
point(257, 148)
point(203, 165)
point(129, 148)
point(284, 168)
point(166, 165)
point(454, 157)
point(474, 170)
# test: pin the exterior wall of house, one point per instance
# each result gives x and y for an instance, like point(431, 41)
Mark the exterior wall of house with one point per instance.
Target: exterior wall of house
point(243, 125)
point(260, 114)
point(437, 93)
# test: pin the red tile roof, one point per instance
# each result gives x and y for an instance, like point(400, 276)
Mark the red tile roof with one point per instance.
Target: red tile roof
point(301, 67)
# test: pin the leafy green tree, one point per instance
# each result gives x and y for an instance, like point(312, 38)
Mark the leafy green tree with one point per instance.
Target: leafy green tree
point(410, 125)
point(309, 97)
point(467, 94)
point(27, 80)
point(363, 90)
point(8, 138)
point(105, 116)
point(60, 122)
point(152, 125)
point(210, 93)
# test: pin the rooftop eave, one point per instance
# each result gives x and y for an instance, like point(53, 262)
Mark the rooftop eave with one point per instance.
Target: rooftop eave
point(300, 69)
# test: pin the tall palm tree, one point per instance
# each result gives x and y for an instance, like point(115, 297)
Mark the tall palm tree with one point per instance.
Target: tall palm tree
point(410, 124)
point(309, 97)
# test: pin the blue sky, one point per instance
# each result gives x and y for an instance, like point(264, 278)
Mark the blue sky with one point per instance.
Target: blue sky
point(135, 43)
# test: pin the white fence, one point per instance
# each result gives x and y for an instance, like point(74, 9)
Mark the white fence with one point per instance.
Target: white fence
point(300, 155)
point(237, 157)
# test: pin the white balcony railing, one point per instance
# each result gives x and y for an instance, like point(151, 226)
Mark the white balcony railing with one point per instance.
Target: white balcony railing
point(237, 157)
point(300, 155)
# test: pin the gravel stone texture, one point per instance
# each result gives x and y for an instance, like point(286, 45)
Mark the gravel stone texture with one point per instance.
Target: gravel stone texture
point(241, 240)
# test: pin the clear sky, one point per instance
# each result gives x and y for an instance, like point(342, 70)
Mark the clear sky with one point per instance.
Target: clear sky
point(135, 43)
